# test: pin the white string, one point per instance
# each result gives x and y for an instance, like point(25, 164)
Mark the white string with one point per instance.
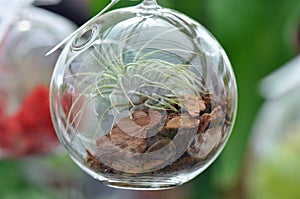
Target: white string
point(112, 3)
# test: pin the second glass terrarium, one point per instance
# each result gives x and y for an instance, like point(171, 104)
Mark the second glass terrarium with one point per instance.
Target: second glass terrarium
point(26, 34)
point(143, 97)
point(274, 154)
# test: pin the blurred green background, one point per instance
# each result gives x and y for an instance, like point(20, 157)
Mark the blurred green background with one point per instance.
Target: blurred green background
point(258, 36)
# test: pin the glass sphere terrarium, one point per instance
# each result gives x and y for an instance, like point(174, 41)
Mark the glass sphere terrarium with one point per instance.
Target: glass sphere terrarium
point(27, 33)
point(143, 97)
point(274, 159)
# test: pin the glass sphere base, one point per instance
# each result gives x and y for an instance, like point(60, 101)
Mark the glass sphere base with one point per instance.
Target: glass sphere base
point(142, 182)
point(145, 183)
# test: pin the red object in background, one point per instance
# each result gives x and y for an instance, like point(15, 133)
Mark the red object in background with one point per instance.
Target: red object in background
point(30, 130)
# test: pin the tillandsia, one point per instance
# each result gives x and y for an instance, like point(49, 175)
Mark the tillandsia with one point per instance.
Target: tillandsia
point(152, 83)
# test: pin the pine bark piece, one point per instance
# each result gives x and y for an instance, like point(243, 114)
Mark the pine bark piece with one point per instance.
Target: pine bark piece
point(108, 152)
point(182, 121)
point(194, 104)
point(159, 144)
point(160, 154)
point(141, 118)
point(128, 126)
point(92, 162)
point(120, 151)
point(205, 143)
point(155, 118)
point(125, 141)
point(207, 98)
point(140, 123)
point(169, 133)
point(218, 116)
point(204, 122)
point(117, 139)
point(215, 118)
point(95, 164)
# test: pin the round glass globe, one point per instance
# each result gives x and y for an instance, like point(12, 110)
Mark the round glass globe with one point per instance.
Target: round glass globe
point(143, 98)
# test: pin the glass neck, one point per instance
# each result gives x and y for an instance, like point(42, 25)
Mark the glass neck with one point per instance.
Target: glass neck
point(149, 4)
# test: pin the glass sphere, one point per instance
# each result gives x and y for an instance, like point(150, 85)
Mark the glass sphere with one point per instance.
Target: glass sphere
point(143, 98)
point(25, 73)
